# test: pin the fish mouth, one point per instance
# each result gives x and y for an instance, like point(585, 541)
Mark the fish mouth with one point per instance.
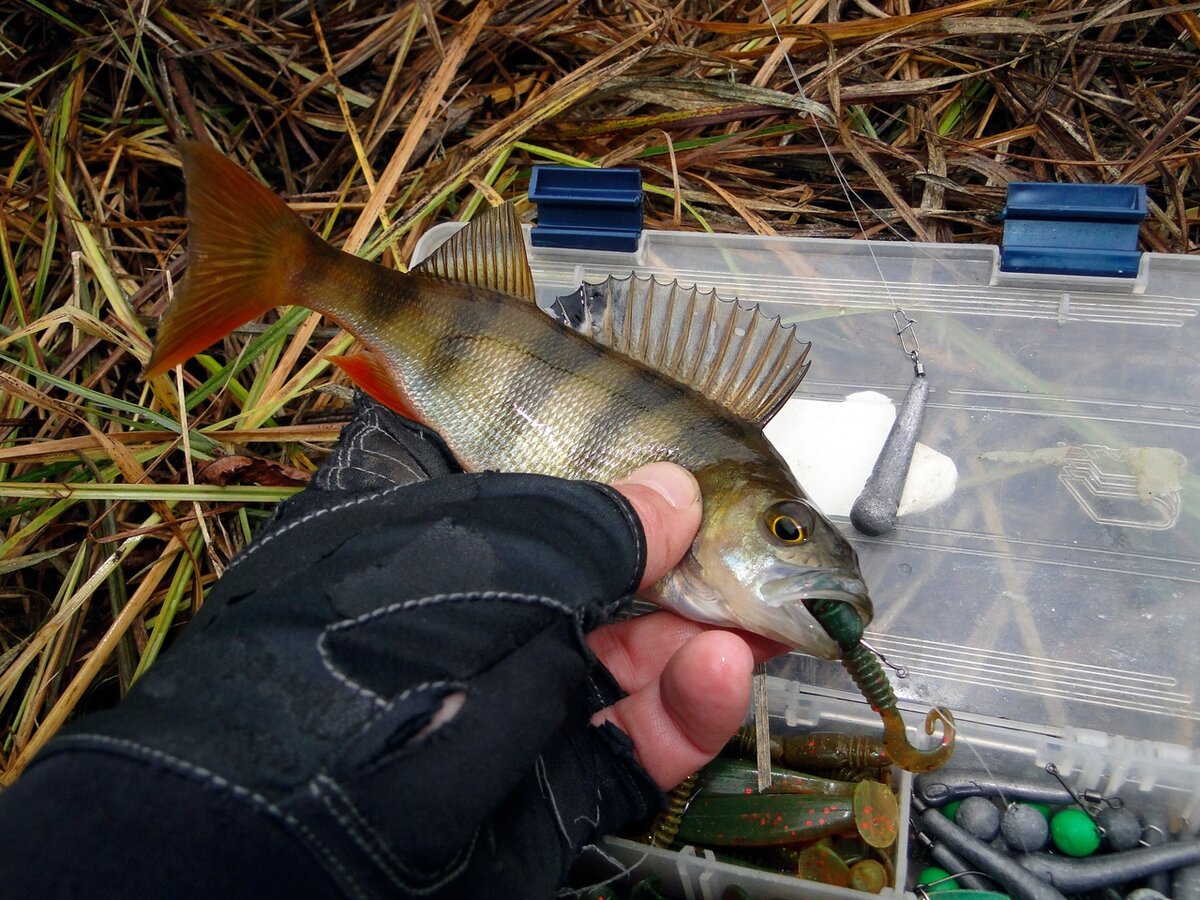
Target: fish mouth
point(790, 594)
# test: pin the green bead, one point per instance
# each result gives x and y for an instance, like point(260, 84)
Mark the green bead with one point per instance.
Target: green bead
point(647, 889)
point(950, 810)
point(1074, 832)
point(931, 874)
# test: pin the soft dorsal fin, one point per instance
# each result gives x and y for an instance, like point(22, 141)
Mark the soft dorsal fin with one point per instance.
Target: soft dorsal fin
point(489, 253)
point(735, 355)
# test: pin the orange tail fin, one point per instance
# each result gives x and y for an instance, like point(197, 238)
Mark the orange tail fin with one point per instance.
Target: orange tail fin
point(244, 245)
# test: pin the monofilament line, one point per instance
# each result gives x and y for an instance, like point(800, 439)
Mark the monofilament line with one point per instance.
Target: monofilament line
point(853, 198)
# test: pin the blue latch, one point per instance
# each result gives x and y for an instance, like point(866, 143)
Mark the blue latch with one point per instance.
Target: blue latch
point(1073, 229)
point(587, 209)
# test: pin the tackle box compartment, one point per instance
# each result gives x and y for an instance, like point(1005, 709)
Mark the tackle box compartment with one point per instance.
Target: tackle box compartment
point(1043, 580)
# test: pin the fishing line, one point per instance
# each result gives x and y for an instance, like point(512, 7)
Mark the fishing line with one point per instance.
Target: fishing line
point(874, 512)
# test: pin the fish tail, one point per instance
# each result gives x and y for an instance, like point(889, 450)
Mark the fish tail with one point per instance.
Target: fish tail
point(246, 247)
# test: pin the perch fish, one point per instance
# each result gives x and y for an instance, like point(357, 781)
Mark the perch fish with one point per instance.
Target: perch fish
point(459, 344)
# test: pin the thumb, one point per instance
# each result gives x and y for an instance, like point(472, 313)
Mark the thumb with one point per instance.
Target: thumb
point(666, 498)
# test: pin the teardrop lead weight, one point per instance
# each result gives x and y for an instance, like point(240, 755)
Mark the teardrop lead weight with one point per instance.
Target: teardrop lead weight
point(874, 512)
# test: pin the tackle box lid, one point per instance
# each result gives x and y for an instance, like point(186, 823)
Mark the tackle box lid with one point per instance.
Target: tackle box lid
point(1048, 569)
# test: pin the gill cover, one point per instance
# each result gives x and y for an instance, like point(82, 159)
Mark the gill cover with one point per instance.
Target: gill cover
point(764, 552)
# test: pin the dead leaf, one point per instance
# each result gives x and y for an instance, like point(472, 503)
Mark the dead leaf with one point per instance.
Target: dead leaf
point(251, 470)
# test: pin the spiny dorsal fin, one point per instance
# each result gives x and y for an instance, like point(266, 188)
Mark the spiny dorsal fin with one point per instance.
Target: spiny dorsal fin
point(489, 253)
point(735, 355)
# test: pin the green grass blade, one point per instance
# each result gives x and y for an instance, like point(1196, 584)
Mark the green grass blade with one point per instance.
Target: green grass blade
point(66, 492)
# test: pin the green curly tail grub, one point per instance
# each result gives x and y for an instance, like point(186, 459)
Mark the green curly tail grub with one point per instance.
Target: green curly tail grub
point(845, 627)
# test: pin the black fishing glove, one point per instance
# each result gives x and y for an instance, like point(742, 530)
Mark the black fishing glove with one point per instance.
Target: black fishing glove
point(387, 695)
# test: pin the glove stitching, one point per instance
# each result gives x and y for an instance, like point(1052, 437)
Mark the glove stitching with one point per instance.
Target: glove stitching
point(120, 746)
point(357, 447)
point(456, 597)
point(362, 690)
point(597, 702)
point(547, 792)
point(360, 442)
point(435, 599)
point(635, 527)
point(267, 538)
point(378, 850)
point(606, 734)
point(425, 686)
point(405, 605)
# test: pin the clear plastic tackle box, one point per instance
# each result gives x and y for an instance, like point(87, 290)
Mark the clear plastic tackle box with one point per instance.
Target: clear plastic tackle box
point(1046, 584)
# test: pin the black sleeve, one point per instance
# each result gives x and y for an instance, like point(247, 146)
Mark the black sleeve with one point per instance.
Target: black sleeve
point(91, 825)
point(388, 694)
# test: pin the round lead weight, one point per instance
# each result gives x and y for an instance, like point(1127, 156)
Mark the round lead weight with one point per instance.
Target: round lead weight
point(1122, 830)
point(1024, 827)
point(978, 816)
point(935, 879)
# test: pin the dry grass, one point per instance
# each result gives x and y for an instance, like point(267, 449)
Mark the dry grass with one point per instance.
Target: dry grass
point(121, 501)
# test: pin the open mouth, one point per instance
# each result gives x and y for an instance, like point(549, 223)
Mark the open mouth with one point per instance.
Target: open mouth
point(820, 584)
point(789, 593)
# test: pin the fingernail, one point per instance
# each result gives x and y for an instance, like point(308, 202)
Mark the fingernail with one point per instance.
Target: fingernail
point(675, 483)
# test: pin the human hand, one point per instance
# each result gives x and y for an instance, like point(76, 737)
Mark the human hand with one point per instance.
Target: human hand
point(395, 692)
point(688, 684)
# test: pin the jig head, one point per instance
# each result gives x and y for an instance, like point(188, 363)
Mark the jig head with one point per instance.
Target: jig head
point(845, 627)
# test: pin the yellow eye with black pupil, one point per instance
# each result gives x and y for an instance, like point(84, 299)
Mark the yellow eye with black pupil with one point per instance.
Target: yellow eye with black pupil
point(787, 530)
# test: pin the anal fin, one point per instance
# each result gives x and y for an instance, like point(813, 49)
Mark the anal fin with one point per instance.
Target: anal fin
point(369, 371)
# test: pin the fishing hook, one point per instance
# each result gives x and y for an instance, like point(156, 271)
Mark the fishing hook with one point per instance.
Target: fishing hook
point(971, 879)
point(1018, 883)
point(901, 671)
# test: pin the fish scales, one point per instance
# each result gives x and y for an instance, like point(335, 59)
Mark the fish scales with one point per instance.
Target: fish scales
point(460, 344)
point(511, 390)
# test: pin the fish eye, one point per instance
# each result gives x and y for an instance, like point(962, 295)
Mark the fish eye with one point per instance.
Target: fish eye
point(787, 529)
point(790, 522)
